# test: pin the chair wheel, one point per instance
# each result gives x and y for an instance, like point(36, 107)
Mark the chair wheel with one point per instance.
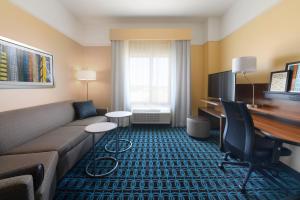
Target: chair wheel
point(221, 166)
point(275, 173)
point(243, 189)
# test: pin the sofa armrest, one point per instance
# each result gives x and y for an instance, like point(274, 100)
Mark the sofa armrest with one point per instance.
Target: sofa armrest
point(101, 111)
point(36, 172)
point(18, 187)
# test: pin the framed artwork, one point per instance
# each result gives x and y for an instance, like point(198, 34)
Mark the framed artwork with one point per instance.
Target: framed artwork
point(279, 81)
point(294, 69)
point(22, 66)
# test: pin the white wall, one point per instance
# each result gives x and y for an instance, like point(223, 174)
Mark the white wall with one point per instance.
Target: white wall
point(294, 160)
point(242, 12)
point(212, 29)
point(95, 33)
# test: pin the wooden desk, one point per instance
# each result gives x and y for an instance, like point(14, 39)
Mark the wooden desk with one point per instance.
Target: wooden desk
point(274, 128)
point(276, 112)
point(277, 129)
point(221, 117)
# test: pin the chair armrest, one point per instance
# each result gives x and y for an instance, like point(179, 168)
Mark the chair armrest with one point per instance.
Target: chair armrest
point(101, 111)
point(36, 172)
point(18, 187)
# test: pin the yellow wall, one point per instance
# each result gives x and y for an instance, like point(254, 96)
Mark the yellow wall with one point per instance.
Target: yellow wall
point(212, 56)
point(69, 57)
point(273, 37)
point(22, 27)
point(211, 60)
point(197, 77)
point(99, 59)
point(267, 37)
point(151, 34)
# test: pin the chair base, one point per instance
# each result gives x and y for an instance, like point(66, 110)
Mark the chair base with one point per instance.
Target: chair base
point(243, 164)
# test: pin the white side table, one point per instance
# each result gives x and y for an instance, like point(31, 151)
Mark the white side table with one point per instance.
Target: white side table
point(96, 129)
point(117, 115)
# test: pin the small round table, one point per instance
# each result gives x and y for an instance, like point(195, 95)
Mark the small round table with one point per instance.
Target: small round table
point(117, 115)
point(94, 129)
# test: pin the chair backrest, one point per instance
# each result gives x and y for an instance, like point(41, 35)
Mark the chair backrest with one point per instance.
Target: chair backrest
point(239, 130)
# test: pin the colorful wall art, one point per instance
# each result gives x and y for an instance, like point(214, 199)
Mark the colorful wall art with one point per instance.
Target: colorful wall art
point(22, 66)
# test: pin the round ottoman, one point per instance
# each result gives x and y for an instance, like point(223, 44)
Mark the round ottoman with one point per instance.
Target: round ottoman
point(198, 127)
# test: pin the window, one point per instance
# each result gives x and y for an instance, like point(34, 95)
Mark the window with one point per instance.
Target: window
point(149, 73)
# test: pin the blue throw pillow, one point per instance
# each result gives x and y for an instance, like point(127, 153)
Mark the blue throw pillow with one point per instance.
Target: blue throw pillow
point(84, 109)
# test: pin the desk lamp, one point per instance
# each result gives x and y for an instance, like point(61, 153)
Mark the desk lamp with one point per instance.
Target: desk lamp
point(244, 65)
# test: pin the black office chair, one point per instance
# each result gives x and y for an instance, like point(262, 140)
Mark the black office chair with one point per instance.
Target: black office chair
point(241, 142)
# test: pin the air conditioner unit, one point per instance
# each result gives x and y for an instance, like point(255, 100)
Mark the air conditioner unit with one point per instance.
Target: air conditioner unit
point(151, 116)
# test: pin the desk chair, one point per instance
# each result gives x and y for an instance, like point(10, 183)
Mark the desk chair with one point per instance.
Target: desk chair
point(240, 141)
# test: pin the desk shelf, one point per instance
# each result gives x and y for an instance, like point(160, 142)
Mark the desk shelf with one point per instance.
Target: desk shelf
point(293, 96)
point(215, 102)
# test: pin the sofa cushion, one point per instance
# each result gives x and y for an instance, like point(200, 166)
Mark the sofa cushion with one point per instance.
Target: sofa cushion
point(88, 121)
point(20, 126)
point(84, 109)
point(62, 140)
point(48, 159)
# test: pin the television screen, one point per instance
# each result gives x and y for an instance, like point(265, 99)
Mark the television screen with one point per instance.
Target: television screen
point(222, 85)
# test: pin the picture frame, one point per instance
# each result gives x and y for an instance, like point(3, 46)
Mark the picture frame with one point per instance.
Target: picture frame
point(23, 66)
point(294, 82)
point(279, 81)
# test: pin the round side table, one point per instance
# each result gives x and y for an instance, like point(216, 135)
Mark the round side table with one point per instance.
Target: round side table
point(94, 129)
point(117, 115)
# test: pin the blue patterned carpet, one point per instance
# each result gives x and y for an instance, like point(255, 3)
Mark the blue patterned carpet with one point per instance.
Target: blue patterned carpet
point(165, 163)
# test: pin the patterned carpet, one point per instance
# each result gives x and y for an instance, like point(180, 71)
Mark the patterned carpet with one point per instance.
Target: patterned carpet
point(165, 163)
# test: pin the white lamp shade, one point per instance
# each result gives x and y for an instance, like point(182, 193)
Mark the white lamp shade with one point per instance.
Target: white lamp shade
point(244, 64)
point(86, 75)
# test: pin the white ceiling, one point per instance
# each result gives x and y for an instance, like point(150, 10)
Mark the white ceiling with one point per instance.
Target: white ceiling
point(86, 10)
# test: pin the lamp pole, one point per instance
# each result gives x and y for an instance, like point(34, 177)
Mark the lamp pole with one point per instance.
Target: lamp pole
point(253, 89)
point(87, 90)
point(243, 65)
point(86, 76)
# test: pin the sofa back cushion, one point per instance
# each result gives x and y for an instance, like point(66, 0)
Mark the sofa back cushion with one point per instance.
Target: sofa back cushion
point(20, 126)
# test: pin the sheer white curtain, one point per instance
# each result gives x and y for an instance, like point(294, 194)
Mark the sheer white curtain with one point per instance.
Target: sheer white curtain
point(119, 79)
point(181, 95)
point(149, 74)
point(152, 74)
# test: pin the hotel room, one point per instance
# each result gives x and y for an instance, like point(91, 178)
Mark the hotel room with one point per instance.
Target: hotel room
point(120, 99)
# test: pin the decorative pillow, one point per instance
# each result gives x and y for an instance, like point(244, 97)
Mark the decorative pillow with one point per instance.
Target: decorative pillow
point(84, 109)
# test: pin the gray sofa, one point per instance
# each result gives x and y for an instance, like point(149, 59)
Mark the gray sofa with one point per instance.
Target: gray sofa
point(47, 134)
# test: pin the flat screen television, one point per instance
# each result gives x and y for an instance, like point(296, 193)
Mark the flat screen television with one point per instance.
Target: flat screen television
point(222, 85)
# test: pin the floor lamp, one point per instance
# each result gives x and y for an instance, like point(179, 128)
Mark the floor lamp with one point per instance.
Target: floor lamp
point(244, 65)
point(86, 76)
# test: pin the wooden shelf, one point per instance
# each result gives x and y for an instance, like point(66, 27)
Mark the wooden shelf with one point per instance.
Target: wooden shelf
point(283, 95)
point(213, 112)
point(211, 102)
